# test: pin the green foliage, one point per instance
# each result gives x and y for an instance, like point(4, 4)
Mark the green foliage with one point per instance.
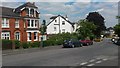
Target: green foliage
point(25, 45)
point(6, 44)
point(117, 29)
point(86, 29)
point(35, 44)
point(58, 39)
point(17, 44)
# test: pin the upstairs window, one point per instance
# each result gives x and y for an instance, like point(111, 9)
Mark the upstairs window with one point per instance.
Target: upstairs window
point(55, 20)
point(5, 23)
point(63, 22)
point(32, 23)
point(28, 23)
point(17, 23)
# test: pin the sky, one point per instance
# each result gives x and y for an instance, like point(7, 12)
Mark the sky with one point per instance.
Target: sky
point(74, 9)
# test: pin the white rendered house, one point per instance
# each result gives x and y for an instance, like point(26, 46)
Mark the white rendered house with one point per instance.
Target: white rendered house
point(60, 24)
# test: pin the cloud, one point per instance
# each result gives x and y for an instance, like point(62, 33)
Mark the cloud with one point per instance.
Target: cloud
point(99, 10)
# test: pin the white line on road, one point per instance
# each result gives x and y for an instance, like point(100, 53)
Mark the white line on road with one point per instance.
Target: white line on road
point(83, 63)
point(90, 64)
point(98, 62)
point(104, 59)
point(92, 60)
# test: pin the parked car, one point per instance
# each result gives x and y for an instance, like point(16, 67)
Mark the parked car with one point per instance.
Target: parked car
point(118, 42)
point(114, 39)
point(86, 42)
point(72, 43)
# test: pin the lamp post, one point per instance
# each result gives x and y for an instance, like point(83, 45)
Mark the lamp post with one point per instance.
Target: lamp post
point(42, 32)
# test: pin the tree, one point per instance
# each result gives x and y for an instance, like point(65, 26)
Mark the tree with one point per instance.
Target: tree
point(85, 30)
point(117, 29)
point(98, 20)
point(43, 27)
point(43, 31)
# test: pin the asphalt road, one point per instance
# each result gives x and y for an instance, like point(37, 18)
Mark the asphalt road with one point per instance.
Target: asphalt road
point(100, 54)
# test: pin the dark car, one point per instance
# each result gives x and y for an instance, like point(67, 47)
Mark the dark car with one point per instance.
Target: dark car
point(118, 42)
point(72, 43)
point(86, 42)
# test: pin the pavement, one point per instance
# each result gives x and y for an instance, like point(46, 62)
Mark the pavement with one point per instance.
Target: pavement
point(103, 53)
point(28, 50)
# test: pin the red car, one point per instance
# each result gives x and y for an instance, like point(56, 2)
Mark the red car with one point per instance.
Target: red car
point(86, 42)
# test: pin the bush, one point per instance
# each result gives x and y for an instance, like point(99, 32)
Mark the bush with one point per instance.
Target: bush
point(6, 44)
point(25, 45)
point(17, 44)
point(35, 44)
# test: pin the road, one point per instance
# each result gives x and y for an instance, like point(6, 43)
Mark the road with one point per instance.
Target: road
point(100, 54)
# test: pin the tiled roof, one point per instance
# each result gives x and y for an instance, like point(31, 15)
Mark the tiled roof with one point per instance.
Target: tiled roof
point(28, 4)
point(8, 12)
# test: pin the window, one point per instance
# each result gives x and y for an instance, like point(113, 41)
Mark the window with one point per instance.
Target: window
point(63, 22)
point(55, 29)
point(35, 35)
point(32, 23)
point(28, 23)
point(36, 23)
point(17, 35)
point(55, 20)
point(17, 23)
point(63, 30)
point(27, 11)
point(5, 35)
point(5, 23)
point(29, 35)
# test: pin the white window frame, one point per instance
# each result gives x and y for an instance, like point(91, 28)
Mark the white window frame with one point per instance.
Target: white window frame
point(28, 36)
point(36, 36)
point(16, 23)
point(5, 35)
point(17, 36)
point(5, 23)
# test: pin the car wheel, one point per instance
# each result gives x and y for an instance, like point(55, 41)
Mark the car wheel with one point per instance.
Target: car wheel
point(81, 45)
point(87, 44)
point(73, 46)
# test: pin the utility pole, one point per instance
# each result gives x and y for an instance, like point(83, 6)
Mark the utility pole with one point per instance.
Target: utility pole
point(42, 32)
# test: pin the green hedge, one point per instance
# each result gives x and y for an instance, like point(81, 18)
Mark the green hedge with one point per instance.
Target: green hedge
point(6, 44)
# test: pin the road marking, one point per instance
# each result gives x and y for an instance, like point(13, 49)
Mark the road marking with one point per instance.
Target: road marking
point(92, 60)
point(104, 59)
point(90, 64)
point(98, 62)
point(83, 63)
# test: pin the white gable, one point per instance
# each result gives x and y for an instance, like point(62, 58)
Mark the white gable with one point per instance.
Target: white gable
point(59, 25)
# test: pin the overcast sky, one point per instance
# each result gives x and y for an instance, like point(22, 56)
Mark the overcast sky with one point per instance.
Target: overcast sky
point(74, 9)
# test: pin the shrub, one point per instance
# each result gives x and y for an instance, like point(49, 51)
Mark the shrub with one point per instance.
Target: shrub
point(25, 45)
point(6, 44)
point(17, 44)
point(35, 44)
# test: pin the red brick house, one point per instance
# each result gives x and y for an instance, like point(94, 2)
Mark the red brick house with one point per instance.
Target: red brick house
point(21, 23)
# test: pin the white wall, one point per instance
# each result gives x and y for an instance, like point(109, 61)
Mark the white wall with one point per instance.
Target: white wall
point(68, 27)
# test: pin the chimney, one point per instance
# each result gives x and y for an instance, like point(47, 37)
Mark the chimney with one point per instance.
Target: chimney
point(33, 3)
point(66, 17)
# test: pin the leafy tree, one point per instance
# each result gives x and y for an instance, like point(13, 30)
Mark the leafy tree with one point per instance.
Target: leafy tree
point(98, 20)
point(86, 29)
point(43, 27)
point(117, 29)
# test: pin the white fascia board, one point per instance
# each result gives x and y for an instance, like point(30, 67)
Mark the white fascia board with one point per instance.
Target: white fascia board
point(22, 8)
